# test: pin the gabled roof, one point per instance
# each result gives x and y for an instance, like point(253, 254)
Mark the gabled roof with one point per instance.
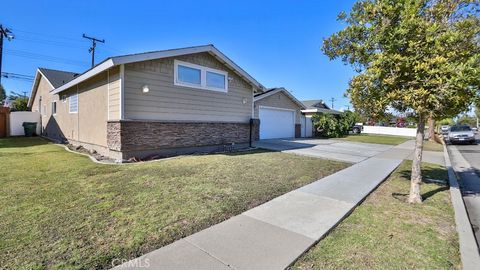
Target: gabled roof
point(273, 91)
point(132, 58)
point(55, 78)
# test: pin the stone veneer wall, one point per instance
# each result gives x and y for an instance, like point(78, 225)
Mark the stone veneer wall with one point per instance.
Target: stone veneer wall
point(135, 135)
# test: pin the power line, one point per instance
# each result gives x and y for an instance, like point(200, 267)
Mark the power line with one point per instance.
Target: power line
point(49, 42)
point(16, 76)
point(71, 38)
point(50, 58)
point(59, 40)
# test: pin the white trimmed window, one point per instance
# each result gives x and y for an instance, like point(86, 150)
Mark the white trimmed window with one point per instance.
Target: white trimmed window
point(54, 107)
point(73, 103)
point(196, 76)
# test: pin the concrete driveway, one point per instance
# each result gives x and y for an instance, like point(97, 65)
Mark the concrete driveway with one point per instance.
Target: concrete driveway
point(325, 148)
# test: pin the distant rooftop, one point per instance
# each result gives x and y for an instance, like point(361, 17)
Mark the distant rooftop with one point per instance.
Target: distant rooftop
point(315, 104)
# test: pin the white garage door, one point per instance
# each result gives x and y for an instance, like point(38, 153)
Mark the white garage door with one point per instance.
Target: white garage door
point(276, 123)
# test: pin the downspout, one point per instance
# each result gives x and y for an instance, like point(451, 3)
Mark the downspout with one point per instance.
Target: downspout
point(78, 116)
point(250, 137)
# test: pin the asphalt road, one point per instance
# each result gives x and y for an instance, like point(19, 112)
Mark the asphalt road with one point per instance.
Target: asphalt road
point(466, 163)
point(472, 154)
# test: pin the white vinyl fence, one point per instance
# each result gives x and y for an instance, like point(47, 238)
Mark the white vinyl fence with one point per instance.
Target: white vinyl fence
point(409, 132)
point(17, 119)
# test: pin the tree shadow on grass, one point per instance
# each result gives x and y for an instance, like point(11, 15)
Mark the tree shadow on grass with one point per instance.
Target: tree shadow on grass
point(436, 176)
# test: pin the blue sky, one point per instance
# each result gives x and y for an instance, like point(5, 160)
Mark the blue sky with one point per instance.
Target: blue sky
point(277, 42)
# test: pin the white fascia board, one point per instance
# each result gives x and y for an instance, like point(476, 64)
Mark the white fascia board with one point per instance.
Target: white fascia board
point(237, 68)
point(177, 52)
point(268, 94)
point(33, 92)
point(309, 111)
point(294, 99)
point(119, 60)
point(321, 110)
point(90, 73)
point(53, 87)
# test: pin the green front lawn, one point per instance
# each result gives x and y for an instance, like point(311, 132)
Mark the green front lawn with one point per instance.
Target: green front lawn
point(60, 210)
point(373, 138)
point(432, 146)
point(385, 232)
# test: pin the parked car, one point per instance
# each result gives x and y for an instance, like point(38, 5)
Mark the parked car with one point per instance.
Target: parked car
point(356, 129)
point(444, 129)
point(461, 133)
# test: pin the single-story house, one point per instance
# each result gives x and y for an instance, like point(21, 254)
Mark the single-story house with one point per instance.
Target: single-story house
point(164, 102)
point(279, 113)
point(312, 107)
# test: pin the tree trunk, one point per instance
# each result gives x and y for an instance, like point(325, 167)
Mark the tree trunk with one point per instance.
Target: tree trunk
point(431, 129)
point(416, 176)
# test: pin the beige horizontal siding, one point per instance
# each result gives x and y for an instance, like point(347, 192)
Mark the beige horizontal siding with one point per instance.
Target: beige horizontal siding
point(114, 94)
point(166, 101)
point(279, 100)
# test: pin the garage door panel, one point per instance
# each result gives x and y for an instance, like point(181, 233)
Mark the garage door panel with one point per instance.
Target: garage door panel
point(276, 123)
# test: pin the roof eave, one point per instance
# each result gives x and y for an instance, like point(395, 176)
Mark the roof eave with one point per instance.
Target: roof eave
point(298, 102)
point(33, 92)
point(121, 60)
point(90, 73)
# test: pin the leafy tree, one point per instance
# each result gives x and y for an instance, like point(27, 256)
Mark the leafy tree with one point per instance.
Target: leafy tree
point(467, 120)
point(415, 56)
point(3, 94)
point(19, 102)
point(446, 121)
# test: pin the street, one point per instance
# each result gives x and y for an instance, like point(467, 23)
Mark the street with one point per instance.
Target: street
point(466, 163)
point(472, 154)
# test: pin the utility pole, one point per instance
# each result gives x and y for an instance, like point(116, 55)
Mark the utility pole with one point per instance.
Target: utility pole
point(4, 33)
point(94, 44)
point(332, 100)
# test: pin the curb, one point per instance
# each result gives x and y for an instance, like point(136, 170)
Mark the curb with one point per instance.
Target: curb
point(468, 246)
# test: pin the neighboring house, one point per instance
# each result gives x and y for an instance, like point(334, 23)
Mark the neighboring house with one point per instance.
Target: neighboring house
point(164, 102)
point(279, 113)
point(316, 106)
point(313, 107)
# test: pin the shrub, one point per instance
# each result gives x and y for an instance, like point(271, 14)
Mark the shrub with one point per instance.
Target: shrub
point(334, 126)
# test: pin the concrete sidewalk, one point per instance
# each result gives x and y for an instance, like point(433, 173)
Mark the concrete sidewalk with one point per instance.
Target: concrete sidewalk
point(274, 234)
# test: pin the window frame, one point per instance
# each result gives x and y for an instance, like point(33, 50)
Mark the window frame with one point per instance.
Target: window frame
point(70, 103)
point(203, 77)
point(54, 107)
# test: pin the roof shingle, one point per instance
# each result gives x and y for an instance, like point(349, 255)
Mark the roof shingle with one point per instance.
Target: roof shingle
point(58, 77)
